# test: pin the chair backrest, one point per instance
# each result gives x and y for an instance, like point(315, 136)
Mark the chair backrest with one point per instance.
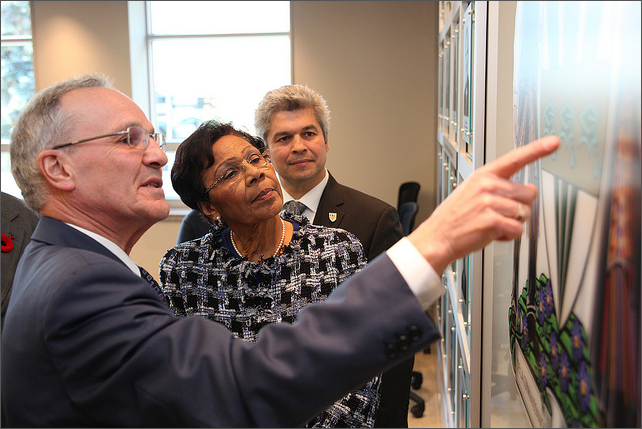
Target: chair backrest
point(407, 213)
point(408, 191)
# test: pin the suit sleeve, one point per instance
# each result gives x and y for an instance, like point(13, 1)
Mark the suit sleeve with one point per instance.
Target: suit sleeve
point(117, 347)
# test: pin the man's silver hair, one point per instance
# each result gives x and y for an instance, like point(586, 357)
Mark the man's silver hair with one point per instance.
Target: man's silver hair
point(43, 124)
point(289, 98)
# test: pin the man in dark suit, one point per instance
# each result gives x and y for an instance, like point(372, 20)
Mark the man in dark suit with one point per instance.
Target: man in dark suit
point(89, 340)
point(294, 121)
point(18, 222)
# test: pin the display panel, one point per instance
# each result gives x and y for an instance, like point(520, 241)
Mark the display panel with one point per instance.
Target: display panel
point(575, 312)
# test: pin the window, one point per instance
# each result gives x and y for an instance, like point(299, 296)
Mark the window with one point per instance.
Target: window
point(212, 60)
point(18, 84)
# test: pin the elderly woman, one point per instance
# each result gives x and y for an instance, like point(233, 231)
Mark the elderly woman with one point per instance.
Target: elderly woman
point(256, 265)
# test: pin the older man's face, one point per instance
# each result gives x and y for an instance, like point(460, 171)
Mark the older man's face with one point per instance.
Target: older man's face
point(114, 185)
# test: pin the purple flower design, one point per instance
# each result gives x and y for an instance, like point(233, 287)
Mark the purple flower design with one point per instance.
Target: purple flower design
point(554, 350)
point(564, 370)
point(583, 387)
point(543, 372)
point(577, 340)
point(548, 299)
point(525, 329)
point(540, 308)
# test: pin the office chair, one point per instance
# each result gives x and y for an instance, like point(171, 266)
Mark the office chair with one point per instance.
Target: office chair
point(407, 213)
point(408, 191)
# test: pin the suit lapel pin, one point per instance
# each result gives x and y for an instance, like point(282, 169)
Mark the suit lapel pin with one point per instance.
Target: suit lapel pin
point(332, 216)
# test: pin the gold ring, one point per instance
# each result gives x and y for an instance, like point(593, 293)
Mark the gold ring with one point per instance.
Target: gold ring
point(521, 213)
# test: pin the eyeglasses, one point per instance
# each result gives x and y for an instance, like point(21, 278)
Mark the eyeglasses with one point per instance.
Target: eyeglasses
point(233, 172)
point(136, 137)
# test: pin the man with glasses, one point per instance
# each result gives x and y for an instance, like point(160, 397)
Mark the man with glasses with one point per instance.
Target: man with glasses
point(88, 341)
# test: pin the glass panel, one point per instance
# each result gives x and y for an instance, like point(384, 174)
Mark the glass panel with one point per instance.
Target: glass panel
point(215, 17)
point(16, 19)
point(17, 82)
point(469, 59)
point(455, 102)
point(452, 184)
point(452, 361)
point(228, 90)
point(444, 177)
point(466, 121)
point(465, 293)
point(447, 85)
point(462, 398)
point(440, 99)
point(6, 178)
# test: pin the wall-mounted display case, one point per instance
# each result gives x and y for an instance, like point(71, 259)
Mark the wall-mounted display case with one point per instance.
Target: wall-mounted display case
point(462, 39)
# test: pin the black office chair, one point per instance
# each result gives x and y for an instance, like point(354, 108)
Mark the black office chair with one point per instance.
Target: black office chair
point(408, 191)
point(407, 213)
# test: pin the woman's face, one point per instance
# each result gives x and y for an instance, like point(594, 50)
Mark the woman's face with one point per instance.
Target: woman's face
point(255, 194)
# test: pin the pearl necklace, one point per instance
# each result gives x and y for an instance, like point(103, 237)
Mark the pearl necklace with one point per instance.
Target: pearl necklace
point(278, 249)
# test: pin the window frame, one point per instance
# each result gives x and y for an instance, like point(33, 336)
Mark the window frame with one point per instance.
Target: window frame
point(141, 56)
point(21, 40)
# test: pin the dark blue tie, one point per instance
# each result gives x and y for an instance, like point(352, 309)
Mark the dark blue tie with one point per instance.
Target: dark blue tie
point(153, 283)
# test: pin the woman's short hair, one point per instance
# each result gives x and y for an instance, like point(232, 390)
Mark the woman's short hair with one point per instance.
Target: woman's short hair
point(289, 98)
point(194, 156)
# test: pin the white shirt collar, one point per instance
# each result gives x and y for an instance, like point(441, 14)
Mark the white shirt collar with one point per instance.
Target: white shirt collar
point(310, 199)
point(112, 247)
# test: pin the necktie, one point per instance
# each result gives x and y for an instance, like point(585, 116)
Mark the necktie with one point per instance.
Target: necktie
point(295, 207)
point(152, 282)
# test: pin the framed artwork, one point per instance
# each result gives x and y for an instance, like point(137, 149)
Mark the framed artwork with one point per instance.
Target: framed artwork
point(575, 308)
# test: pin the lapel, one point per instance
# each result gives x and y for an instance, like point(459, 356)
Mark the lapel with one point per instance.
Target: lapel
point(54, 232)
point(13, 226)
point(330, 205)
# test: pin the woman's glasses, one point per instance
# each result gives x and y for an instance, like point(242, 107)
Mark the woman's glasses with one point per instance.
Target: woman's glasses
point(232, 173)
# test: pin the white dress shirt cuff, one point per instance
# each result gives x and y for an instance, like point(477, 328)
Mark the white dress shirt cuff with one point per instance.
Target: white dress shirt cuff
point(420, 276)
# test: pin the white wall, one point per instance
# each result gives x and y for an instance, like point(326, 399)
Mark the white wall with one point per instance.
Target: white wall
point(374, 61)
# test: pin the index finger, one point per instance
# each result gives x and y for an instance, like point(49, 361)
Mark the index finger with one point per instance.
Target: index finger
point(507, 165)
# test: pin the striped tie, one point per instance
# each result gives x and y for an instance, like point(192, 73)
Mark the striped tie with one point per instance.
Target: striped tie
point(295, 207)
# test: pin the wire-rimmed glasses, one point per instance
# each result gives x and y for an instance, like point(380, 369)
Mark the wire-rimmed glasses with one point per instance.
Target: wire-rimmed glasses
point(231, 173)
point(136, 137)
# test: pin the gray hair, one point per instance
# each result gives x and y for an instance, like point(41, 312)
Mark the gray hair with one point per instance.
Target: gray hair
point(42, 125)
point(289, 98)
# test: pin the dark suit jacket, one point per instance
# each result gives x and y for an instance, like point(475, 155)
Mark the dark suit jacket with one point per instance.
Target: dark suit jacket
point(376, 224)
point(89, 343)
point(18, 221)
